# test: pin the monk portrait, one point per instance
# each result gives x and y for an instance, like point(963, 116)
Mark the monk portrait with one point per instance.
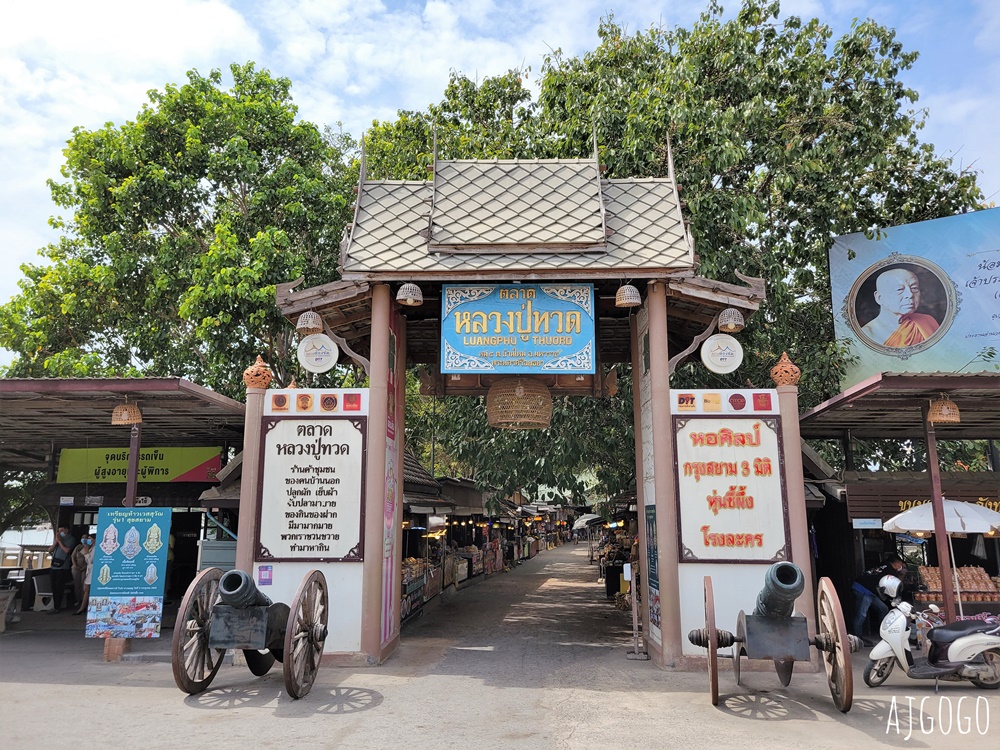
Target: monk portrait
point(899, 323)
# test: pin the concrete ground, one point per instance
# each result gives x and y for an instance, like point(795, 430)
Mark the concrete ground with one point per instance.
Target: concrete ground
point(535, 658)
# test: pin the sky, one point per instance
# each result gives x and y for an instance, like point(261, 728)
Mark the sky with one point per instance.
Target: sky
point(82, 64)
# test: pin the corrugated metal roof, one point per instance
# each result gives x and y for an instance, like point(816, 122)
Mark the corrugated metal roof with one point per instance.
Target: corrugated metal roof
point(516, 216)
point(891, 404)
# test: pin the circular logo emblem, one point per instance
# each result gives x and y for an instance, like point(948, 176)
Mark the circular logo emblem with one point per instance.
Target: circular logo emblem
point(738, 401)
point(318, 353)
point(721, 353)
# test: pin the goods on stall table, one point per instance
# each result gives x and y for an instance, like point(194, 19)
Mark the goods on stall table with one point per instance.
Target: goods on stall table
point(413, 569)
point(974, 584)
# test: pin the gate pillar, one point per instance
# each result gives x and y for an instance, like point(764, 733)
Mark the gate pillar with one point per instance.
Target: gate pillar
point(655, 484)
point(384, 480)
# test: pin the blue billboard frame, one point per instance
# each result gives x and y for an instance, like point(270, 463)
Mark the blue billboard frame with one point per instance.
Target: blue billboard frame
point(518, 328)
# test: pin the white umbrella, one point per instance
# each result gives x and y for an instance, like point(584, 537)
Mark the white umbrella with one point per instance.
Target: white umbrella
point(959, 518)
point(585, 520)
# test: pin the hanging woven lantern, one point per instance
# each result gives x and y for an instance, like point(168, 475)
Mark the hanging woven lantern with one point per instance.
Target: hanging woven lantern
point(519, 404)
point(731, 320)
point(943, 411)
point(309, 322)
point(410, 295)
point(126, 414)
point(627, 296)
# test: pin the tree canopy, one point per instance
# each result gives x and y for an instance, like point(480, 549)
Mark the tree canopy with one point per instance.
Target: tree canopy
point(178, 225)
point(782, 139)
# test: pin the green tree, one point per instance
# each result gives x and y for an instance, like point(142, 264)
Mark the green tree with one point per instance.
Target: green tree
point(781, 139)
point(17, 498)
point(178, 226)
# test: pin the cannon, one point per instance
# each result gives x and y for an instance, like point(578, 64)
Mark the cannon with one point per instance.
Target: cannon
point(223, 611)
point(774, 631)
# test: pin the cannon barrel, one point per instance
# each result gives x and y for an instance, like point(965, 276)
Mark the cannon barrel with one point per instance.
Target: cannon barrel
point(783, 583)
point(237, 589)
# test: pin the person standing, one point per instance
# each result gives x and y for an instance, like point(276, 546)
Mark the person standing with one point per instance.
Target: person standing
point(79, 567)
point(62, 561)
point(87, 544)
point(866, 594)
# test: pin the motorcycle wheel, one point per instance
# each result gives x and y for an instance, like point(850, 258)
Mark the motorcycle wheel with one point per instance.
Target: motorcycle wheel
point(877, 672)
point(992, 658)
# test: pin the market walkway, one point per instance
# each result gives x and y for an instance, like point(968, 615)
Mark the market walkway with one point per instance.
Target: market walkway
point(533, 658)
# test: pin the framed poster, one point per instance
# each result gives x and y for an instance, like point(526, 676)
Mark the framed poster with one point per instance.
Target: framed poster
point(130, 562)
point(311, 497)
point(518, 328)
point(731, 499)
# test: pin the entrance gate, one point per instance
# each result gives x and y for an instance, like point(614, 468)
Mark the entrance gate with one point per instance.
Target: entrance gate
point(487, 225)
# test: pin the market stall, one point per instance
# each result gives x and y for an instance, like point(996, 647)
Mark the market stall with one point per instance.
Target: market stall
point(959, 518)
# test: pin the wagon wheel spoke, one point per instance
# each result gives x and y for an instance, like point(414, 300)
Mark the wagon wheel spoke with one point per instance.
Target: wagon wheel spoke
point(837, 659)
point(305, 635)
point(195, 664)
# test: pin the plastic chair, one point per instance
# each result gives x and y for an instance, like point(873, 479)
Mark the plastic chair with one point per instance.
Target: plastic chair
point(43, 593)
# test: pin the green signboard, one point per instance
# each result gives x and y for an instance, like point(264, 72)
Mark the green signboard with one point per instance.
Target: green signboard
point(155, 465)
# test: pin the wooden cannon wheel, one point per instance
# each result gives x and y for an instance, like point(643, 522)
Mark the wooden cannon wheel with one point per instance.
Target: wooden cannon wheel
point(195, 664)
point(741, 638)
point(837, 659)
point(305, 634)
point(712, 645)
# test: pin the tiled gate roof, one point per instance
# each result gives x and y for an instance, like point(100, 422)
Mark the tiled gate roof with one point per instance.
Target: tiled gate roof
point(550, 216)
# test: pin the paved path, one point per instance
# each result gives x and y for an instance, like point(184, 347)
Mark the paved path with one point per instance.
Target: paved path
point(534, 658)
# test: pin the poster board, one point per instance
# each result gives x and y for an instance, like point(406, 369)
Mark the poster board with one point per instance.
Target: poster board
point(921, 297)
point(311, 496)
point(130, 561)
point(731, 501)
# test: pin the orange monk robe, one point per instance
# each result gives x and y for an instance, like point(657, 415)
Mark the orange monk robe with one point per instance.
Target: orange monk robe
point(914, 328)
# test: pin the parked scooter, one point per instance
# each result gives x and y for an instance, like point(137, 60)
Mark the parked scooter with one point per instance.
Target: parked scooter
point(964, 650)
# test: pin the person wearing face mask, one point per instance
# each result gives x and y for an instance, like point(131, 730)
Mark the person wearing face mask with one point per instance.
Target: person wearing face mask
point(87, 543)
point(62, 561)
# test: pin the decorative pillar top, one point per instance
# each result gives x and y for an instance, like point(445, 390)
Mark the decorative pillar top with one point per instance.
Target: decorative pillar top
point(257, 375)
point(785, 372)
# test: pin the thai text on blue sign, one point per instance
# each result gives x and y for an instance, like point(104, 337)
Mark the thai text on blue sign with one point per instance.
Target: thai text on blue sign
point(127, 581)
point(514, 328)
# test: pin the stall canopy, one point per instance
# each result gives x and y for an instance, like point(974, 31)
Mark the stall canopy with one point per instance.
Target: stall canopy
point(39, 414)
point(896, 406)
point(421, 491)
point(587, 519)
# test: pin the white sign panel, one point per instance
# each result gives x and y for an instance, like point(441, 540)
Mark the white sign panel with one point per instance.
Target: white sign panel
point(722, 353)
point(645, 440)
point(866, 523)
point(730, 489)
point(312, 489)
point(317, 353)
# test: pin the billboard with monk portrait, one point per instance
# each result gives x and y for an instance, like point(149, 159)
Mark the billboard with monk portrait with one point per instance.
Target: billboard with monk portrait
point(922, 297)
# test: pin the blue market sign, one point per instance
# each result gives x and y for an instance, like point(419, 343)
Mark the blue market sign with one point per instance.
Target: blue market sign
point(518, 328)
